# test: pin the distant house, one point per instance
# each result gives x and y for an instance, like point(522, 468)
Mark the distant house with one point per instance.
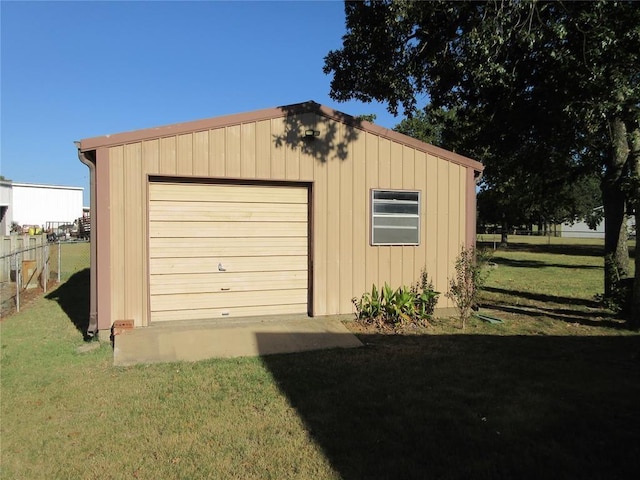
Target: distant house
point(38, 204)
point(580, 229)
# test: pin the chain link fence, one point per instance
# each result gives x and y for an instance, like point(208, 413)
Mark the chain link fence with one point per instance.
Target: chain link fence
point(32, 266)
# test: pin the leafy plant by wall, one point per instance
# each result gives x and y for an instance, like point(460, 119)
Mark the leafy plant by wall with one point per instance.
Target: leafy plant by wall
point(400, 307)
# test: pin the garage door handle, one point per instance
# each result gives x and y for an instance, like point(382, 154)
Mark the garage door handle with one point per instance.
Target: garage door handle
point(225, 289)
point(221, 268)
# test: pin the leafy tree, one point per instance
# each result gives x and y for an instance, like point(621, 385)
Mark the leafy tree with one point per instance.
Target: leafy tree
point(429, 126)
point(540, 89)
point(574, 193)
point(367, 117)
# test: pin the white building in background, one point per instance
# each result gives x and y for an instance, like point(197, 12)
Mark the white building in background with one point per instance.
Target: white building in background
point(581, 229)
point(5, 207)
point(36, 204)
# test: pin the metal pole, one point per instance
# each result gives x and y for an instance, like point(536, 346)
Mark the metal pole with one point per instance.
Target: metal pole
point(18, 277)
point(59, 260)
point(45, 267)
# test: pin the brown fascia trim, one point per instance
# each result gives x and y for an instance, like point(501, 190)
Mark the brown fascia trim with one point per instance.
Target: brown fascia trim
point(276, 112)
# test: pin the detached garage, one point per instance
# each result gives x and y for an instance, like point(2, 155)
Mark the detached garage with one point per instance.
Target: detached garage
point(290, 210)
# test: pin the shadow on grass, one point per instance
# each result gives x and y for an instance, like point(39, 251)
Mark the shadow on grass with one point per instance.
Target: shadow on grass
point(580, 250)
point(595, 316)
point(73, 296)
point(541, 297)
point(538, 264)
point(463, 406)
point(569, 249)
point(568, 316)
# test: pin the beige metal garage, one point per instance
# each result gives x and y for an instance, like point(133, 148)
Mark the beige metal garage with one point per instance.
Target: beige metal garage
point(293, 209)
point(221, 250)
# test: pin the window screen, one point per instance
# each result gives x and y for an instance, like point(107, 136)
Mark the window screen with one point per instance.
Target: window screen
point(395, 217)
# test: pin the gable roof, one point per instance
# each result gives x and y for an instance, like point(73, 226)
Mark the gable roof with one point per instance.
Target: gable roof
point(93, 143)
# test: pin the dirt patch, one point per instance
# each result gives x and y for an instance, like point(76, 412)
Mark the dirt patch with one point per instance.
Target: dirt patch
point(8, 298)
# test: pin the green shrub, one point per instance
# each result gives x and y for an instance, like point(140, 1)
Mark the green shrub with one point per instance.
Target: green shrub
point(397, 308)
point(465, 287)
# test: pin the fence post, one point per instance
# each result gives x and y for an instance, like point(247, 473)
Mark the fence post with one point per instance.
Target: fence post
point(59, 259)
point(18, 281)
point(45, 266)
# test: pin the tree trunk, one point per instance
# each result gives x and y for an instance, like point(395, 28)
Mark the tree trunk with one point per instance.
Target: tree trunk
point(634, 200)
point(635, 299)
point(504, 238)
point(616, 251)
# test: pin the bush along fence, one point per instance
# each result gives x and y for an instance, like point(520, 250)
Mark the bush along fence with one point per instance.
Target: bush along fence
point(29, 262)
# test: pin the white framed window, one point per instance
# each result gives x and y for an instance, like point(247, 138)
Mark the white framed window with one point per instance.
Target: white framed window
point(395, 217)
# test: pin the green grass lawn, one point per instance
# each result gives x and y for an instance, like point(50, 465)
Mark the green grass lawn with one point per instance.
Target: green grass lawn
point(550, 393)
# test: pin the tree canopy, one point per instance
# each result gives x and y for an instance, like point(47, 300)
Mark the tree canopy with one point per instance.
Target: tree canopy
point(543, 93)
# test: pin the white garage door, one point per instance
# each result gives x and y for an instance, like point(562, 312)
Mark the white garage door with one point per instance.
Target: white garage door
point(227, 250)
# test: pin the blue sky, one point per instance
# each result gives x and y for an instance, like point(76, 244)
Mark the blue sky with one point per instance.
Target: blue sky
point(73, 70)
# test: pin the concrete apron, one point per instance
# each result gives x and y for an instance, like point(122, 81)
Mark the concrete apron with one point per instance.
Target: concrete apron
point(238, 337)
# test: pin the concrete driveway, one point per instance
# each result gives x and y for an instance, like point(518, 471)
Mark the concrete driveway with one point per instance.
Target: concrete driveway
point(238, 337)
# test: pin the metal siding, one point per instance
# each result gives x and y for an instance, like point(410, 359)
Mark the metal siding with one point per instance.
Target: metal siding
point(384, 171)
point(360, 236)
point(443, 248)
point(278, 154)
point(409, 273)
point(150, 166)
point(134, 243)
point(395, 253)
point(168, 162)
point(217, 152)
point(334, 211)
point(307, 158)
point(185, 154)
point(201, 154)
point(372, 176)
point(345, 249)
point(263, 149)
point(320, 248)
point(248, 151)
point(292, 163)
point(420, 183)
point(430, 219)
point(118, 216)
point(233, 167)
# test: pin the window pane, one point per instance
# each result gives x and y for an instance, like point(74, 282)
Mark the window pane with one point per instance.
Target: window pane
point(395, 207)
point(395, 195)
point(403, 236)
point(396, 222)
point(395, 217)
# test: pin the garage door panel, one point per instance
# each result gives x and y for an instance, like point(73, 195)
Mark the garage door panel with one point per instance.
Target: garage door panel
point(213, 313)
point(246, 281)
point(238, 247)
point(227, 250)
point(226, 212)
point(179, 229)
point(191, 301)
point(165, 266)
point(187, 192)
